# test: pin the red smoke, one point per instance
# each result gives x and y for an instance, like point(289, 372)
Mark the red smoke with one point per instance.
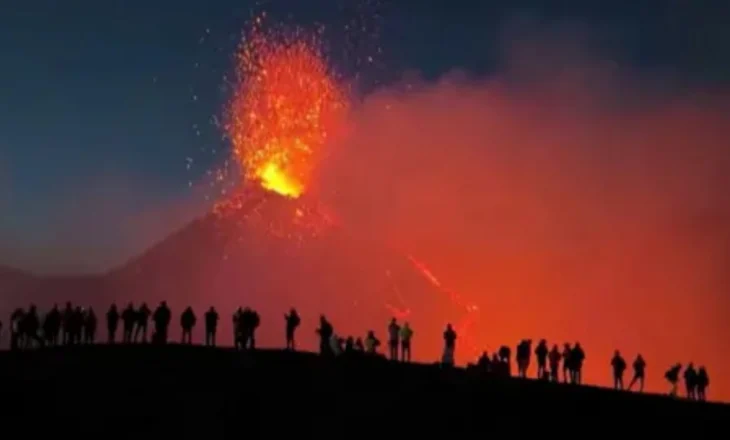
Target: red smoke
point(561, 209)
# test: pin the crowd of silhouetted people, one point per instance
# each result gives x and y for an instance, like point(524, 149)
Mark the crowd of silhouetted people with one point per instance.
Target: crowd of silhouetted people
point(76, 325)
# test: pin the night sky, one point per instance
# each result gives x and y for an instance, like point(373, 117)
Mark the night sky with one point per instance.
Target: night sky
point(106, 103)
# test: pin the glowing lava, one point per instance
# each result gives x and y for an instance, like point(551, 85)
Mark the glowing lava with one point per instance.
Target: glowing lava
point(286, 104)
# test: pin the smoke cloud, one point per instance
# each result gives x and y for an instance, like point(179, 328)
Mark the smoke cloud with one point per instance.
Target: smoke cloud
point(568, 198)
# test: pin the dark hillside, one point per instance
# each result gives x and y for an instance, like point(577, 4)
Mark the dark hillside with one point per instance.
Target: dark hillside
point(197, 392)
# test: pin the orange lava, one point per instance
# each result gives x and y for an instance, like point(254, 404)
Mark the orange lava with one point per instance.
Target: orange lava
point(286, 104)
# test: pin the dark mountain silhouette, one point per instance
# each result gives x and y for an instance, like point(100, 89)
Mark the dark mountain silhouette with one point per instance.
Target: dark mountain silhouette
point(18, 288)
point(270, 253)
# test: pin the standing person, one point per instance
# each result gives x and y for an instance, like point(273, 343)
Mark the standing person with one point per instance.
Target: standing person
point(577, 356)
point(393, 339)
point(112, 323)
point(90, 323)
point(371, 343)
point(554, 359)
point(541, 353)
point(405, 340)
point(292, 322)
point(52, 326)
point(17, 330)
point(211, 325)
point(690, 381)
point(619, 366)
point(505, 358)
point(325, 332)
point(449, 346)
point(187, 322)
point(143, 317)
point(67, 319)
point(639, 370)
point(161, 317)
point(238, 329)
point(524, 351)
point(567, 363)
point(703, 381)
point(129, 317)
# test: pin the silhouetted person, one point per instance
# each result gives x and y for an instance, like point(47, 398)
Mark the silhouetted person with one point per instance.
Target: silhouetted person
point(567, 363)
point(90, 326)
point(497, 367)
point(359, 345)
point(251, 323)
point(577, 356)
point(67, 319)
point(16, 329)
point(703, 381)
point(52, 326)
point(672, 376)
point(31, 324)
point(238, 329)
point(325, 332)
point(292, 322)
point(143, 317)
point(129, 318)
point(619, 366)
point(371, 343)
point(211, 326)
point(541, 353)
point(336, 345)
point(393, 339)
point(112, 323)
point(405, 341)
point(77, 325)
point(350, 345)
point(449, 346)
point(161, 317)
point(505, 357)
point(524, 350)
point(554, 359)
point(639, 373)
point(246, 327)
point(187, 322)
point(690, 381)
point(483, 363)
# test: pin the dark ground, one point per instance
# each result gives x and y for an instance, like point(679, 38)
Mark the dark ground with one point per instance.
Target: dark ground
point(196, 392)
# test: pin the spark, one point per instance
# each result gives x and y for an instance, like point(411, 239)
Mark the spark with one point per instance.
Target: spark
point(462, 327)
point(285, 103)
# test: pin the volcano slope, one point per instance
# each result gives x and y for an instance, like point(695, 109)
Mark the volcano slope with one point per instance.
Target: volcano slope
point(270, 253)
point(145, 391)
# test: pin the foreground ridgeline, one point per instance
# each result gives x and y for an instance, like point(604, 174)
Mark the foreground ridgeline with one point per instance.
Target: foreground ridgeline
point(75, 325)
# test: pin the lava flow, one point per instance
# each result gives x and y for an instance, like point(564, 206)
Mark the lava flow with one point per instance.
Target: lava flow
point(286, 104)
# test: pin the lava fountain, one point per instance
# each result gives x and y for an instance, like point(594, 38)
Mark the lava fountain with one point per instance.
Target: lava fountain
point(286, 107)
point(286, 104)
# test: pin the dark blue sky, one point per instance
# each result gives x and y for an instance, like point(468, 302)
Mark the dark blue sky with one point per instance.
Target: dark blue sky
point(102, 102)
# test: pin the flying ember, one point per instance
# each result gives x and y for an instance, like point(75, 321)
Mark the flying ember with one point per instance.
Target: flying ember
point(286, 104)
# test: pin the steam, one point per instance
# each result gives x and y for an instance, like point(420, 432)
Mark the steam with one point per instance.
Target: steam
point(571, 205)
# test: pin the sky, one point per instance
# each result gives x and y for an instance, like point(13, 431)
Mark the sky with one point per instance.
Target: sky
point(108, 105)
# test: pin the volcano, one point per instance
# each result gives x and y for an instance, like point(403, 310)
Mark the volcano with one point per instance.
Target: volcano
point(270, 253)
